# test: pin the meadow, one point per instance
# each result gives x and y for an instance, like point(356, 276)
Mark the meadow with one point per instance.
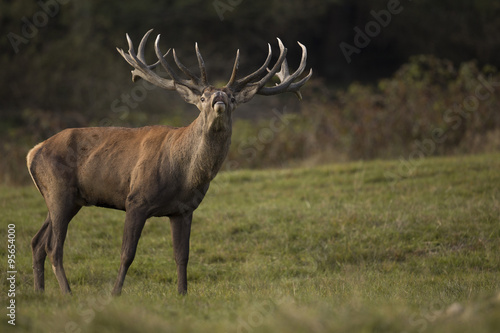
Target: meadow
point(335, 248)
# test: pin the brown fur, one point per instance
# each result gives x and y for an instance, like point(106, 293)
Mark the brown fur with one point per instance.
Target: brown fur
point(148, 171)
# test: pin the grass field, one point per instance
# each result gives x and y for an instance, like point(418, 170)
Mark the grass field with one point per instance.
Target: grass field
point(336, 248)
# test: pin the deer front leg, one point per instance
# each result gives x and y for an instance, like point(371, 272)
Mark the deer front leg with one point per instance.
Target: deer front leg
point(134, 223)
point(181, 230)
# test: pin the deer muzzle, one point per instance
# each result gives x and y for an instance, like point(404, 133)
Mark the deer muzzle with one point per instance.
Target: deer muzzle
point(219, 102)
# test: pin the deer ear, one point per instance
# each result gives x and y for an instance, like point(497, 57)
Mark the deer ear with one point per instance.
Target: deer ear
point(187, 94)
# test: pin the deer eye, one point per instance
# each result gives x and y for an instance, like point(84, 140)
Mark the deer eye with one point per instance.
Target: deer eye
point(202, 99)
point(233, 100)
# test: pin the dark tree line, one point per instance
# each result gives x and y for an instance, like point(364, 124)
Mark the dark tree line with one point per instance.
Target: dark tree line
point(59, 55)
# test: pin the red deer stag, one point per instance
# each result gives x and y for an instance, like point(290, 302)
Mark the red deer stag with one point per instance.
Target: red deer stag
point(148, 171)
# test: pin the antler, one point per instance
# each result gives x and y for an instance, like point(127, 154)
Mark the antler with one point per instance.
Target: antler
point(244, 88)
point(286, 83)
point(141, 69)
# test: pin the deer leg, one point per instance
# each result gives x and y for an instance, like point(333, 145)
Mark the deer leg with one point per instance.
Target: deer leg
point(134, 223)
point(39, 254)
point(181, 230)
point(54, 246)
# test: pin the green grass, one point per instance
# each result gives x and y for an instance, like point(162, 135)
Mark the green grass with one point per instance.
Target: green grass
point(332, 248)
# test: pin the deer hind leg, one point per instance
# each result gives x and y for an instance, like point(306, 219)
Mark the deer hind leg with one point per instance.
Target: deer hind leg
point(38, 242)
point(59, 221)
point(134, 223)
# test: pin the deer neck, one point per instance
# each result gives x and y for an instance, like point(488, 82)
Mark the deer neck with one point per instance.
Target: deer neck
point(209, 148)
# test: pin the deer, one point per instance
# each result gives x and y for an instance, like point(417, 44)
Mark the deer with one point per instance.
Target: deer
point(153, 171)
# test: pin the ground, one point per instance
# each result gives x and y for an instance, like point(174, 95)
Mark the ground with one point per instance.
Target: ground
point(382, 246)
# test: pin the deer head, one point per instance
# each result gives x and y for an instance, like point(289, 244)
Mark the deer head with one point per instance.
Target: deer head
point(217, 104)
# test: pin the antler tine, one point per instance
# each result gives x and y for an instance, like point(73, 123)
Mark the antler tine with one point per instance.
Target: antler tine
point(239, 84)
point(276, 67)
point(193, 84)
point(289, 87)
point(131, 56)
point(184, 69)
point(141, 69)
point(142, 46)
point(286, 80)
point(201, 64)
point(126, 56)
point(130, 44)
point(235, 69)
point(284, 71)
point(137, 62)
point(294, 87)
point(246, 88)
point(163, 62)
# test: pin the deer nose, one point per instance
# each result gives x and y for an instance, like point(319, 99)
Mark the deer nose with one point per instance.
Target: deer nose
point(218, 102)
point(218, 96)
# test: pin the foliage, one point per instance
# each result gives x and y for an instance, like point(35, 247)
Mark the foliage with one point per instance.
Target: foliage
point(428, 107)
point(334, 248)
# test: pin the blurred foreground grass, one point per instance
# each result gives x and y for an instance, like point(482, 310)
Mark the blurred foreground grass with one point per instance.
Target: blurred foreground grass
point(333, 248)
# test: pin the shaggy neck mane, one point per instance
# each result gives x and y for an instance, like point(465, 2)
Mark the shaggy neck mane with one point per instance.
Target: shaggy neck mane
point(209, 150)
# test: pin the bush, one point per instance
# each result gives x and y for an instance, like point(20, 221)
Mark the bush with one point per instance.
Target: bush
point(427, 107)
